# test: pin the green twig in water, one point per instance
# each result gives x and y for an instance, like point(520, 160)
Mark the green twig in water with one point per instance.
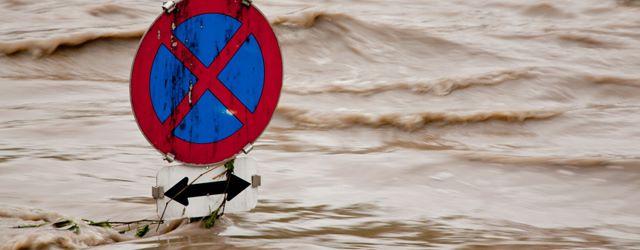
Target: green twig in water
point(62, 223)
point(142, 231)
point(210, 220)
point(121, 223)
point(75, 229)
point(29, 226)
point(72, 226)
point(104, 224)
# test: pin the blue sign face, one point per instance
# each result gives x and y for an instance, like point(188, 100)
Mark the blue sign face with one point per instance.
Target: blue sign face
point(208, 120)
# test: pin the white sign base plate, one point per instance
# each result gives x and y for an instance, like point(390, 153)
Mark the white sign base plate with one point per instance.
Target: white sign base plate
point(244, 167)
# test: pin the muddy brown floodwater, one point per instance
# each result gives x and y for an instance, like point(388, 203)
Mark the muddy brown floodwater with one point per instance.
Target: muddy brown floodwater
point(402, 124)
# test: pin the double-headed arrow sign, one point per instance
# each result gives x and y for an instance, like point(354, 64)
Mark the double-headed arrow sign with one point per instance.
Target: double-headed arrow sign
point(182, 191)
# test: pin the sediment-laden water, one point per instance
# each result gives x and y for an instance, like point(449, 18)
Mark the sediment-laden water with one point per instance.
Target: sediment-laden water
point(402, 124)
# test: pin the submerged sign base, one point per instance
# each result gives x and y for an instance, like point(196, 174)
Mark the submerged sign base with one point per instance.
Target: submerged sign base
point(182, 197)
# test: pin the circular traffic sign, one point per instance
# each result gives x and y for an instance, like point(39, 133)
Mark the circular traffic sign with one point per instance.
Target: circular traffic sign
point(206, 80)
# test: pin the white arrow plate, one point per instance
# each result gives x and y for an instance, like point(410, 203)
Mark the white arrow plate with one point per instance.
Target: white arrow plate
point(244, 167)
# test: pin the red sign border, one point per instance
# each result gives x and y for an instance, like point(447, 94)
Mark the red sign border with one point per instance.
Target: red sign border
point(254, 123)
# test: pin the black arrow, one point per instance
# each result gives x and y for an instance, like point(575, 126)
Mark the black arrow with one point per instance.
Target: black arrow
point(181, 192)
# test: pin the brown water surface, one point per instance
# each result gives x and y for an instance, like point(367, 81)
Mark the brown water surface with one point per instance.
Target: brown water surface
point(403, 124)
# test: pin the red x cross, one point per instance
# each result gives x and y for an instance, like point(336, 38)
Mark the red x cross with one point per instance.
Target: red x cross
point(207, 78)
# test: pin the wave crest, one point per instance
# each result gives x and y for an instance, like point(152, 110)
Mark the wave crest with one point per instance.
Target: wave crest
point(55, 239)
point(28, 214)
point(563, 161)
point(307, 19)
point(440, 87)
point(46, 46)
point(616, 80)
point(546, 10)
point(406, 122)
